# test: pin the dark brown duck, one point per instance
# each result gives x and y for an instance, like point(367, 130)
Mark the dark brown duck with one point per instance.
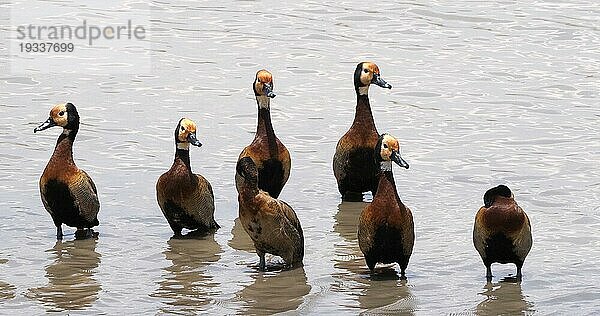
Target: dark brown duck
point(385, 228)
point(68, 193)
point(270, 155)
point(186, 199)
point(353, 162)
point(271, 223)
point(502, 232)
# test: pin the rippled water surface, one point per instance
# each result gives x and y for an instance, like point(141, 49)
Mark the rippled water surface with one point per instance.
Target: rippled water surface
point(484, 93)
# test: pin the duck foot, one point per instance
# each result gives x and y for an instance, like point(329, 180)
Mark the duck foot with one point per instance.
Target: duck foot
point(86, 233)
point(352, 196)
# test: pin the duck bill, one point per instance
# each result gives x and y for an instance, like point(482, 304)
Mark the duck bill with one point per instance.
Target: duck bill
point(268, 90)
point(193, 140)
point(49, 123)
point(380, 82)
point(399, 160)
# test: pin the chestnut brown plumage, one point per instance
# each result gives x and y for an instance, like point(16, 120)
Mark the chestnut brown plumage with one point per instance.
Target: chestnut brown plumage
point(186, 199)
point(385, 227)
point(270, 155)
point(502, 231)
point(68, 193)
point(353, 162)
point(271, 223)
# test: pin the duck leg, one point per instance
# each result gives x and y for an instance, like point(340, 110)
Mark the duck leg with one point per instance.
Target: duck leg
point(59, 232)
point(519, 275)
point(81, 233)
point(89, 233)
point(371, 262)
point(350, 196)
point(403, 262)
point(176, 229)
point(488, 272)
point(262, 263)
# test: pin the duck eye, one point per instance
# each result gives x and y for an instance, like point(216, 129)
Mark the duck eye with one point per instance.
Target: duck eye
point(61, 113)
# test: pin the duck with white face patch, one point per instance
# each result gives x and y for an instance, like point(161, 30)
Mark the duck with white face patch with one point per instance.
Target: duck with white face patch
point(386, 231)
point(68, 193)
point(186, 199)
point(353, 164)
point(269, 154)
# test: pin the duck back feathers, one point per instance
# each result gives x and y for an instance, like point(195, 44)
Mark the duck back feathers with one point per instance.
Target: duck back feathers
point(502, 231)
point(272, 224)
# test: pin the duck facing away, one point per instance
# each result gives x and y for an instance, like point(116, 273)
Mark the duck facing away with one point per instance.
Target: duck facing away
point(68, 193)
point(186, 199)
point(270, 155)
point(271, 223)
point(353, 161)
point(502, 232)
point(385, 227)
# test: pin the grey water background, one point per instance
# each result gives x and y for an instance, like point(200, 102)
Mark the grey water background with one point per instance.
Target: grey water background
point(484, 93)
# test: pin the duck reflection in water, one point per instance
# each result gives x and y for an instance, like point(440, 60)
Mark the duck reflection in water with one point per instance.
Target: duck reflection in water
point(274, 292)
point(186, 287)
point(504, 298)
point(71, 283)
point(7, 291)
point(381, 292)
point(240, 239)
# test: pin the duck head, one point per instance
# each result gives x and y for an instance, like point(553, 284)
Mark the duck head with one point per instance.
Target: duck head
point(387, 151)
point(263, 88)
point(64, 115)
point(185, 134)
point(490, 195)
point(367, 73)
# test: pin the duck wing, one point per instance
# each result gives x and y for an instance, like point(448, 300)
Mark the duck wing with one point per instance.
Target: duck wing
point(84, 192)
point(290, 218)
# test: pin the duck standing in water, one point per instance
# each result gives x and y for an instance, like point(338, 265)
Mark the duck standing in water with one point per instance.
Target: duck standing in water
point(502, 232)
point(271, 223)
point(386, 232)
point(266, 150)
point(353, 162)
point(68, 193)
point(186, 199)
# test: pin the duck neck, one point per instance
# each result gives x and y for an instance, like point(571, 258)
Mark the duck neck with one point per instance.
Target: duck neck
point(363, 116)
point(64, 146)
point(248, 192)
point(387, 184)
point(264, 127)
point(182, 152)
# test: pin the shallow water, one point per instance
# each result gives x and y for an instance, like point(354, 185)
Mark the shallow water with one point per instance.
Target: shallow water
point(484, 93)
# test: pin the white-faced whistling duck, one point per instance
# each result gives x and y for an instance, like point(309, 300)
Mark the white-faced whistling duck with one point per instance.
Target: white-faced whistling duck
point(68, 193)
point(502, 231)
point(386, 232)
point(186, 199)
point(271, 224)
point(353, 162)
point(270, 155)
